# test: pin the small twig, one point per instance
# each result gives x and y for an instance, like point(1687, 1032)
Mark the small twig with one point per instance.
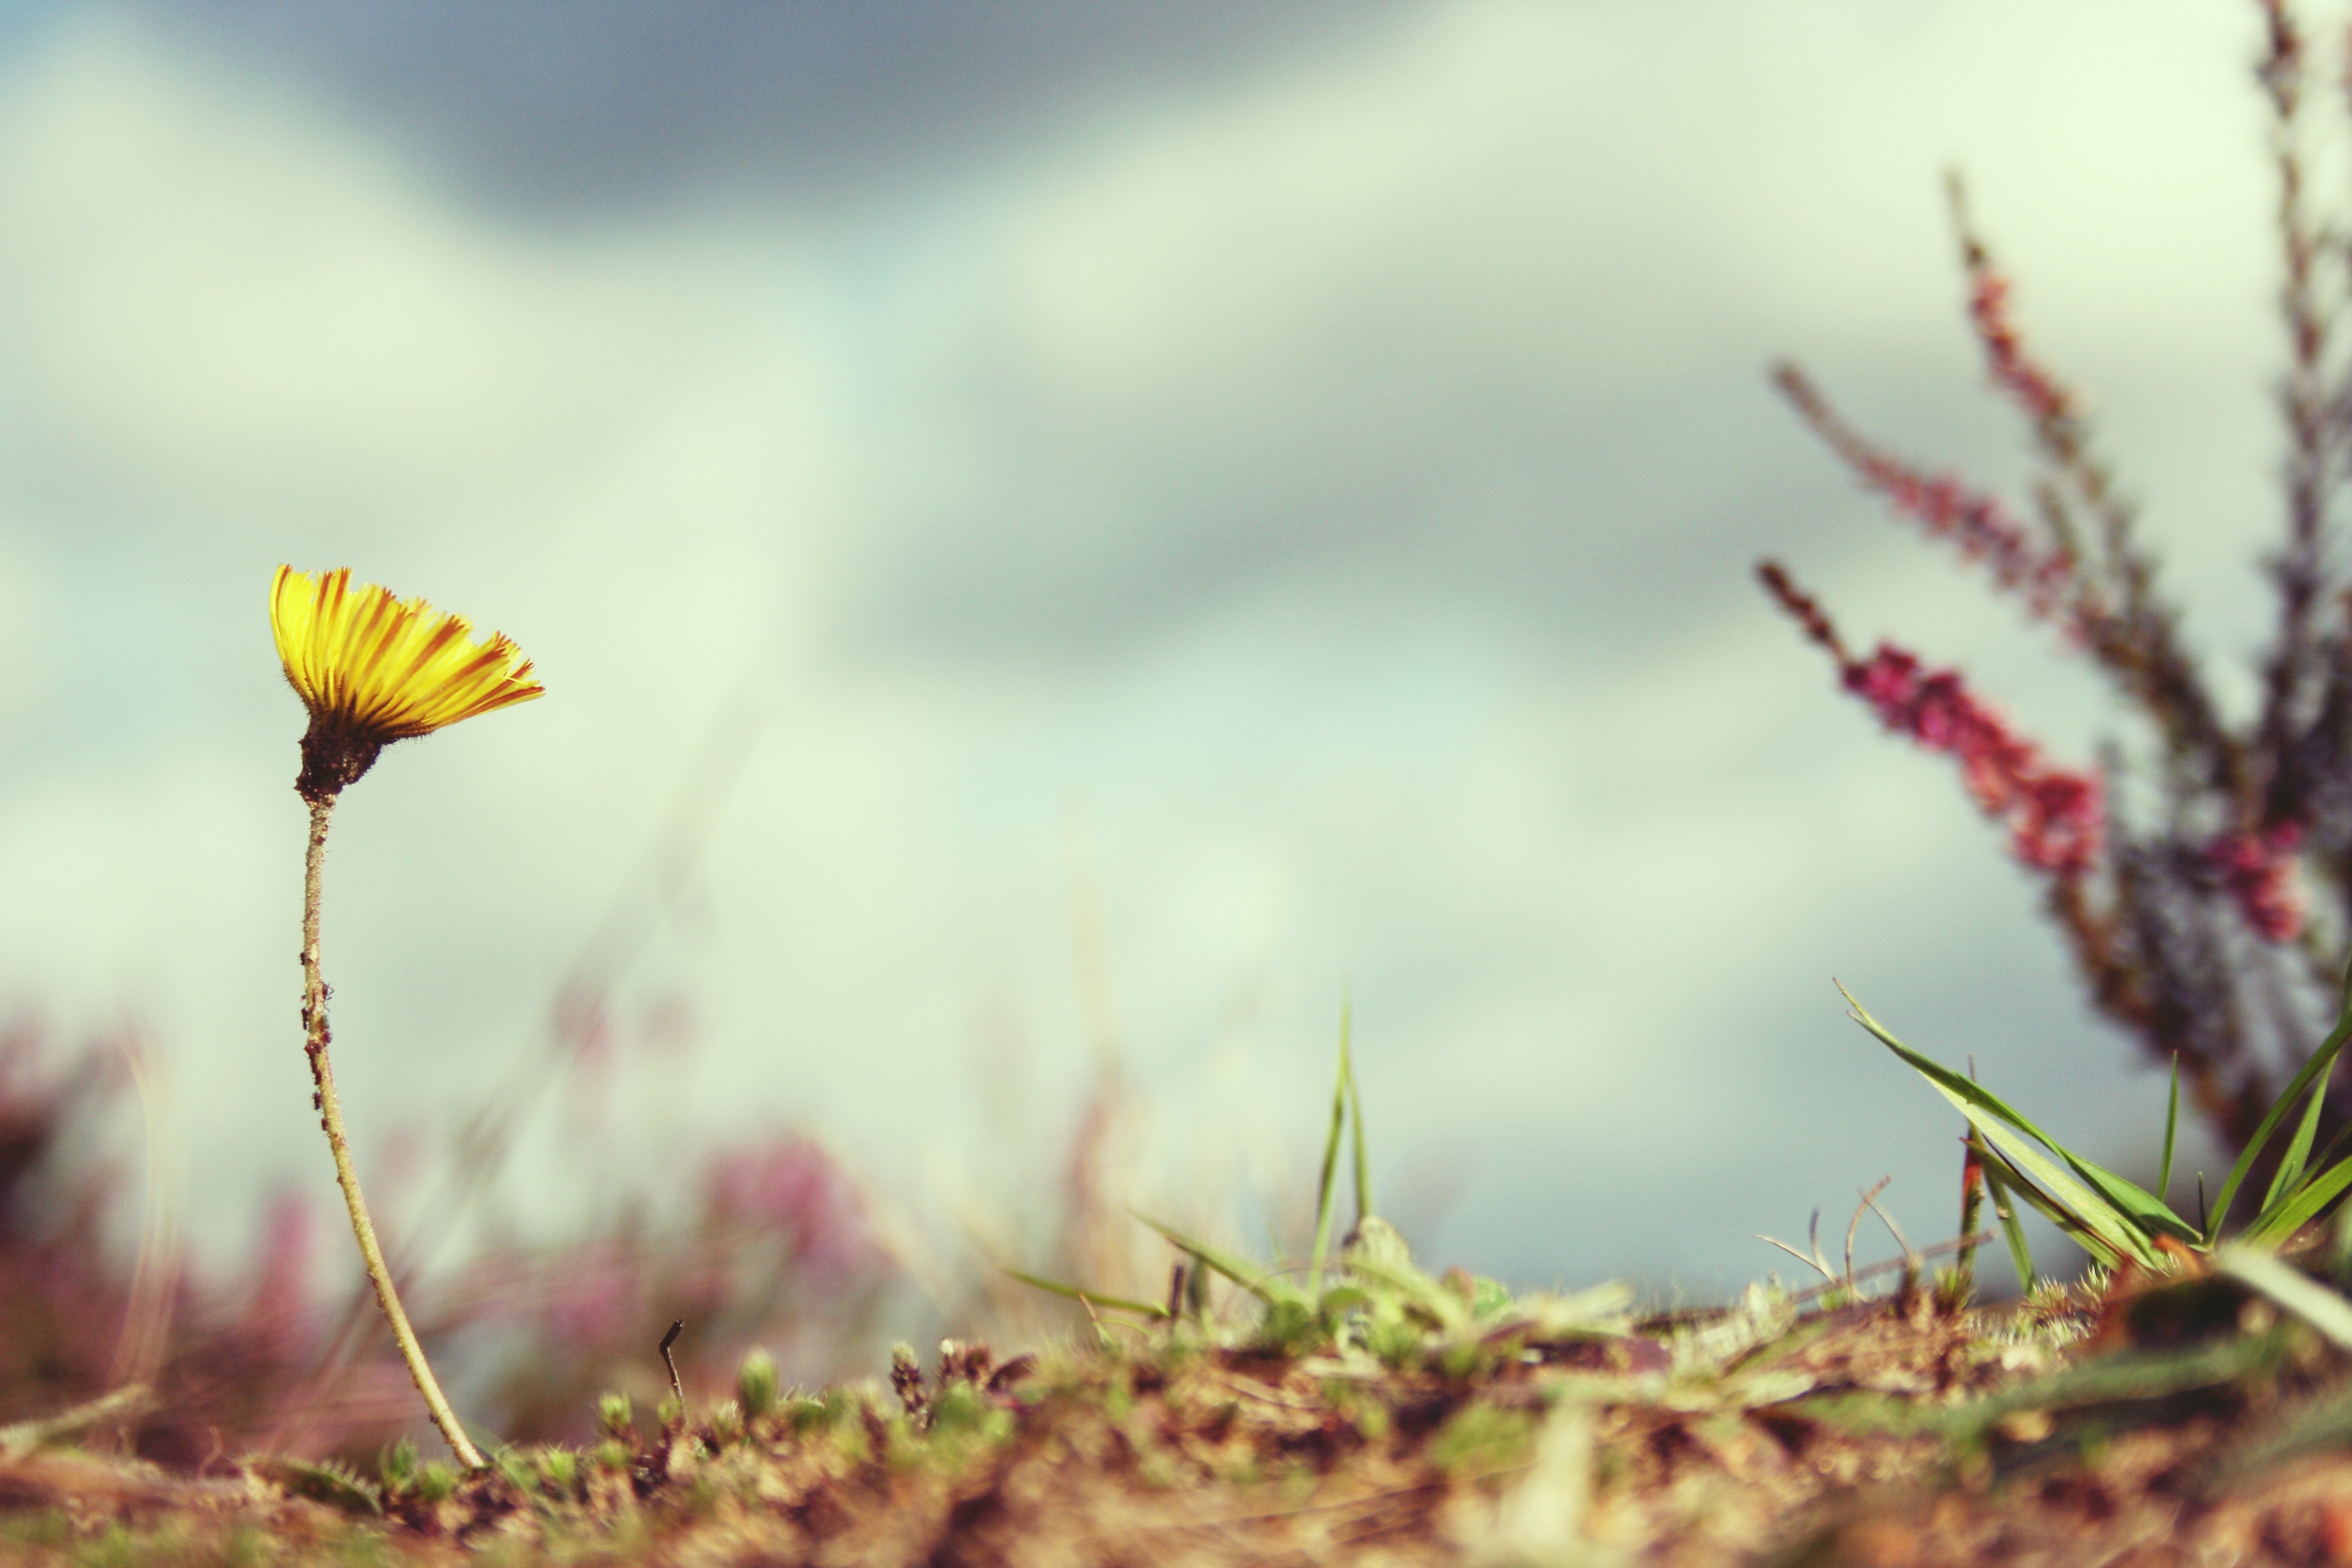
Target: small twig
point(1808, 1262)
point(677, 1389)
point(1854, 1224)
point(1965, 1243)
point(26, 1436)
point(1910, 1254)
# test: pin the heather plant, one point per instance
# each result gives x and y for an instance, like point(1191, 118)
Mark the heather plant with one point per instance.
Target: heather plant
point(2201, 873)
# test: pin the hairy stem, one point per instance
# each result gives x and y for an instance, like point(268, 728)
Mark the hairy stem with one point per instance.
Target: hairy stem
point(331, 1119)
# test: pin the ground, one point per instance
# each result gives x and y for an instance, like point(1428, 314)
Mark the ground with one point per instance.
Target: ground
point(2141, 1421)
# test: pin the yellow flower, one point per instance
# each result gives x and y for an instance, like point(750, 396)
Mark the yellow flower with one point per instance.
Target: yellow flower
point(374, 669)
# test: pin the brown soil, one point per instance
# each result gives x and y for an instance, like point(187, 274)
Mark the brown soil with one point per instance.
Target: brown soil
point(2178, 1421)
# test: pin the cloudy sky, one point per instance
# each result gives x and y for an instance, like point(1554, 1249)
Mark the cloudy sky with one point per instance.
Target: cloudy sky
point(1104, 519)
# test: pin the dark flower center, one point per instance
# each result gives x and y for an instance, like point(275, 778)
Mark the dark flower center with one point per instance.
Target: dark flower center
point(335, 753)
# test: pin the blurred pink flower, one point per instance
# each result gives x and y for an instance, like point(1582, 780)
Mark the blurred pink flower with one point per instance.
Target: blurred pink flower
point(792, 1188)
point(2258, 871)
point(2043, 398)
point(594, 1293)
point(1946, 505)
point(2056, 818)
point(278, 1316)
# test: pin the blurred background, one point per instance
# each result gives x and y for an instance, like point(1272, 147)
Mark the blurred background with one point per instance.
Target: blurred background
point(1062, 541)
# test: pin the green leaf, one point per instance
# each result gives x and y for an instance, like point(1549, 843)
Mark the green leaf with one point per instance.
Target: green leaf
point(2020, 1254)
point(2065, 1212)
point(2304, 1204)
point(1085, 1297)
point(1324, 1187)
point(2120, 1212)
point(2171, 1124)
point(1356, 1137)
point(2298, 1292)
point(2289, 1174)
point(2313, 1071)
point(1241, 1273)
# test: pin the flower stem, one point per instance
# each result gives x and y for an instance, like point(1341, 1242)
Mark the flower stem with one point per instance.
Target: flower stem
point(331, 1119)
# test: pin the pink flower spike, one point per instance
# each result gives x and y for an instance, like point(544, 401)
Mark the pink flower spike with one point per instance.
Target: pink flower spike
point(2056, 817)
point(1945, 507)
point(2258, 870)
point(2042, 396)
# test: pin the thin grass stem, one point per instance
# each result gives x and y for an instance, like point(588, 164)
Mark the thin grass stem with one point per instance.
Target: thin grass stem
point(1972, 1196)
point(1355, 1141)
point(1328, 1180)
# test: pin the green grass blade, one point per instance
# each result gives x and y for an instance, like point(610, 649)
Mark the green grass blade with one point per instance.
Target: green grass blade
point(2020, 1254)
point(2104, 1239)
point(2313, 1071)
point(2289, 1174)
point(1083, 1296)
point(2326, 1158)
point(2304, 1206)
point(2299, 1293)
point(2171, 1125)
point(1324, 1187)
point(2121, 1213)
point(2324, 1161)
point(2149, 1214)
point(1356, 1137)
point(1233, 1269)
point(1944, 1077)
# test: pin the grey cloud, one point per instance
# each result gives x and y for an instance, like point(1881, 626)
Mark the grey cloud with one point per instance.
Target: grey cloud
point(577, 108)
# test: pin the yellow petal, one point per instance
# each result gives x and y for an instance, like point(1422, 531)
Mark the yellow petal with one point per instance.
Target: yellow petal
point(380, 669)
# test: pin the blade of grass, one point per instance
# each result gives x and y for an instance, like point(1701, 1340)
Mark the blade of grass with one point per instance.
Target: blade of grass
point(2040, 1179)
point(2171, 1124)
point(2313, 1070)
point(1356, 1137)
point(2020, 1254)
point(2307, 1298)
point(2102, 1245)
point(1325, 1184)
point(1233, 1269)
point(2289, 1174)
point(1083, 1296)
point(2326, 1158)
point(2304, 1207)
point(2319, 1169)
point(2127, 1202)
